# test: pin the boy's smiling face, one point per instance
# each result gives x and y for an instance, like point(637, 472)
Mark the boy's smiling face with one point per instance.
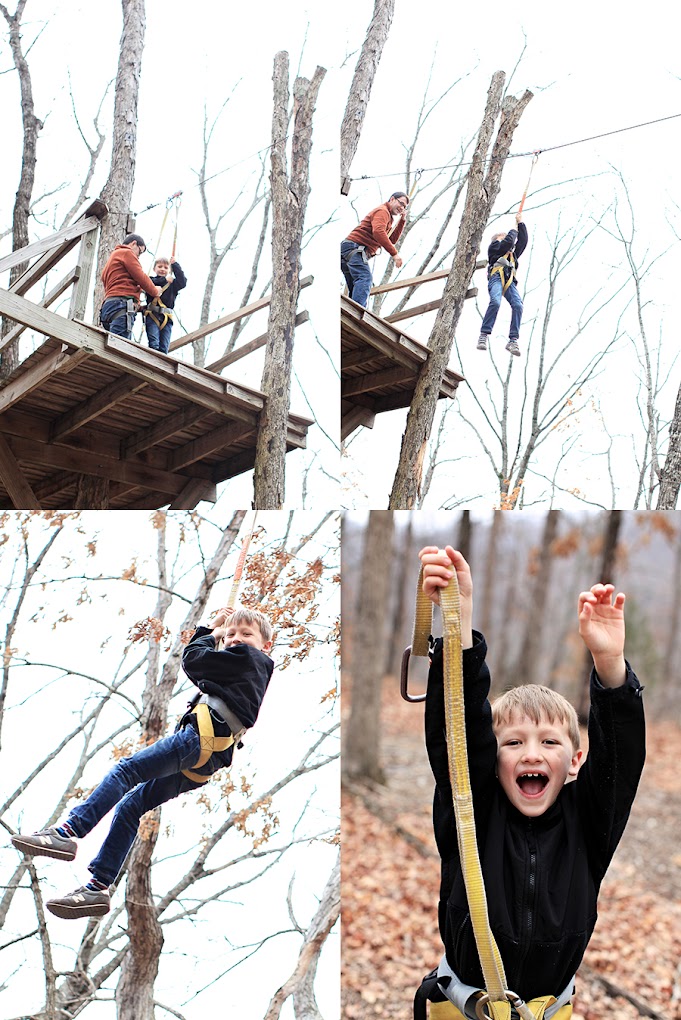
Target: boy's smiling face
point(243, 633)
point(534, 761)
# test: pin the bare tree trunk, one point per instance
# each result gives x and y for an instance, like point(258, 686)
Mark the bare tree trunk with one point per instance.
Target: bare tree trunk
point(528, 659)
point(361, 753)
point(117, 192)
point(301, 983)
point(490, 576)
point(464, 539)
point(403, 572)
point(362, 81)
point(289, 202)
point(481, 194)
point(670, 480)
point(606, 575)
point(32, 125)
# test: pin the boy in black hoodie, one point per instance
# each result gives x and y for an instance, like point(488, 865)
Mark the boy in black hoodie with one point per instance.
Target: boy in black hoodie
point(229, 664)
point(502, 258)
point(545, 841)
point(158, 316)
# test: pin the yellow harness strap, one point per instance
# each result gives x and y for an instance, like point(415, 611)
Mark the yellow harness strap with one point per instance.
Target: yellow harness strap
point(500, 269)
point(157, 306)
point(497, 1000)
point(209, 742)
point(448, 1011)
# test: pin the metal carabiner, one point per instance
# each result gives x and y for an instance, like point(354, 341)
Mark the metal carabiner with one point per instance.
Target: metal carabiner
point(404, 678)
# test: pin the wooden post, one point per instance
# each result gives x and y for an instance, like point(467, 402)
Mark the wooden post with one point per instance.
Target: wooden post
point(86, 261)
point(289, 202)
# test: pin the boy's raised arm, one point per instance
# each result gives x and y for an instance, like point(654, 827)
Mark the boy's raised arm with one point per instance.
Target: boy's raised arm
point(601, 626)
point(439, 566)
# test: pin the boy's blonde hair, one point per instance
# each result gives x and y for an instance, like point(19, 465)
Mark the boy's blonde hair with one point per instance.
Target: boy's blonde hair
point(537, 703)
point(255, 618)
point(161, 258)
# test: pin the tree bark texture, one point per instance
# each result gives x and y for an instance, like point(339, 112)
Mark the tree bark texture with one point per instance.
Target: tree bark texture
point(670, 480)
point(31, 126)
point(361, 753)
point(289, 203)
point(528, 660)
point(117, 192)
point(483, 188)
point(362, 81)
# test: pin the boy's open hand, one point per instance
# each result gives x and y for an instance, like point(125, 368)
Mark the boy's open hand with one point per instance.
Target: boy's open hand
point(439, 566)
point(601, 625)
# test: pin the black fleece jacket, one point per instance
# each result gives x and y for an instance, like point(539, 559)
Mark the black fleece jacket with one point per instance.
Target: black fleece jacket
point(515, 241)
point(542, 875)
point(239, 675)
point(179, 283)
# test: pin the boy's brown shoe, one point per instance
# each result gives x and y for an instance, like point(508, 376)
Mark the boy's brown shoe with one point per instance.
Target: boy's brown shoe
point(82, 902)
point(47, 843)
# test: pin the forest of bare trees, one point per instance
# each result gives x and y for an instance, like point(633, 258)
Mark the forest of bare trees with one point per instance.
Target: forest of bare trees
point(94, 623)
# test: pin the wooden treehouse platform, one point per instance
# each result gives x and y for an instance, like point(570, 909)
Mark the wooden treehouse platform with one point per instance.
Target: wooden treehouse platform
point(162, 432)
point(380, 363)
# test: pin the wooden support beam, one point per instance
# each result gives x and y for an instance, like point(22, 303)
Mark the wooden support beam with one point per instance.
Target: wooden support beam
point(252, 345)
point(86, 261)
point(111, 394)
point(163, 429)
point(415, 281)
point(374, 380)
point(53, 295)
point(98, 464)
point(18, 489)
point(227, 320)
point(202, 447)
point(355, 417)
point(429, 306)
point(66, 234)
point(193, 493)
point(57, 361)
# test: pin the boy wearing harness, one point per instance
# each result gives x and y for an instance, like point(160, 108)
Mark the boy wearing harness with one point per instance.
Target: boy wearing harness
point(377, 230)
point(158, 317)
point(548, 819)
point(229, 664)
point(124, 280)
point(502, 258)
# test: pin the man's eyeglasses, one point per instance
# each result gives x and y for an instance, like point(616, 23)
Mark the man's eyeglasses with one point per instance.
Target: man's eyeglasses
point(403, 205)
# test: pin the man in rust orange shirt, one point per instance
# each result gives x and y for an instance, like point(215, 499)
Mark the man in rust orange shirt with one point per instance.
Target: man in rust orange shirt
point(377, 230)
point(124, 280)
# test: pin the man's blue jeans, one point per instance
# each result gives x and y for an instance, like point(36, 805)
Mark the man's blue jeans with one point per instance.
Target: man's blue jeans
point(115, 318)
point(495, 289)
point(137, 784)
point(356, 272)
point(159, 339)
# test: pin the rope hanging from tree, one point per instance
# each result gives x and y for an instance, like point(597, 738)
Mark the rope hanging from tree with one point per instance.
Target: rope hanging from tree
point(535, 157)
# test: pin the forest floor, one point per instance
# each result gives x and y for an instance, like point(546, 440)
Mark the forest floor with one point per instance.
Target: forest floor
point(391, 879)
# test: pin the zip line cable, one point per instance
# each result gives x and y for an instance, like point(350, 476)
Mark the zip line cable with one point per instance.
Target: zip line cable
point(517, 155)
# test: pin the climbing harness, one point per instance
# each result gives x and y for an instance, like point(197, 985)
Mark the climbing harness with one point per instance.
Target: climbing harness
point(209, 742)
point(507, 261)
point(495, 1002)
point(158, 312)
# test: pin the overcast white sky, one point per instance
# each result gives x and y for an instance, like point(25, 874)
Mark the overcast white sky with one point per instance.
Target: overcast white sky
point(193, 55)
point(591, 71)
point(46, 703)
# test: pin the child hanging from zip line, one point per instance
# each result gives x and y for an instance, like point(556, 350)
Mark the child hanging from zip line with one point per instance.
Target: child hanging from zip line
point(502, 260)
point(548, 818)
point(158, 316)
point(229, 664)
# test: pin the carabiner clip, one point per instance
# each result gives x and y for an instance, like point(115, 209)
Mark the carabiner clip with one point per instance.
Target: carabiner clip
point(404, 678)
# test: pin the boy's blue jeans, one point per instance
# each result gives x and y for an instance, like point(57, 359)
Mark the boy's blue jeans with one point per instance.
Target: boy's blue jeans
point(356, 272)
point(159, 339)
point(495, 289)
point(137, 784)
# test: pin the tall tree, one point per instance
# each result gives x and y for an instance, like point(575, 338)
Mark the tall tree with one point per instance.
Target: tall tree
point(483, 188)
point(539, 567)
point(361, 750)
point(22, 204)
point(289, 203)
point(362, 82)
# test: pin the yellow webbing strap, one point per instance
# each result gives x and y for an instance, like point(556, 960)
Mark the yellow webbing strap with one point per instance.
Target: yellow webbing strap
point(448, 1011)
point(505, 284)
point(490, 958)
point(209, 742)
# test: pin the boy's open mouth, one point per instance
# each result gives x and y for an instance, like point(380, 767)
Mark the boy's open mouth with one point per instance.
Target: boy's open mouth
point(532, 783)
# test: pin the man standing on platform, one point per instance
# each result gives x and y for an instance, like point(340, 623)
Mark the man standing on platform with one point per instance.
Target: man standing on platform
point(124, 280)
point(379, 229)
